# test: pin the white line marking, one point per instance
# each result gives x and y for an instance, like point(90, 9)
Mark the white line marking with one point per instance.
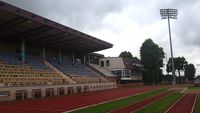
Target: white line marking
point(182, 91)
point(194, 104)
point(107, 101)
point(174, 104)
point(150, 103)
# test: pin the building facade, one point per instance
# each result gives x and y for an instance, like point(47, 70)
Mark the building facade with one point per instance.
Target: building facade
point(128, 70)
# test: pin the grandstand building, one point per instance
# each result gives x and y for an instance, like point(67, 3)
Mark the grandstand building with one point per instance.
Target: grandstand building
point(41, 58)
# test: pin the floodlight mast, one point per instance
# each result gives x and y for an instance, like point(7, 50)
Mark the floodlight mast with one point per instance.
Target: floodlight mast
point(167, 14)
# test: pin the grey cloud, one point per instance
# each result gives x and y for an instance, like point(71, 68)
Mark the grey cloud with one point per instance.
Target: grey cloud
point(86, 15)
point(78, 14)
point(188, 26)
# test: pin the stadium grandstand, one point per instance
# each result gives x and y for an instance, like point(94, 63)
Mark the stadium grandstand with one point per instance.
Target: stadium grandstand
point(41, 58)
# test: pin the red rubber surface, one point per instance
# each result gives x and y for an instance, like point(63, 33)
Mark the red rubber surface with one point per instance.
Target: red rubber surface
point(65, 103)
point(139, 105)
point(184, 105)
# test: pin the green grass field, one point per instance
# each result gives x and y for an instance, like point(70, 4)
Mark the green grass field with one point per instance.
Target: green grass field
point(103, 108)
point(197, 108)
point(194, 87)
point(161, 105)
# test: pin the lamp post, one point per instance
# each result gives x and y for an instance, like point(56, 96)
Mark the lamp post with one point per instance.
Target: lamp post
point(167, 14)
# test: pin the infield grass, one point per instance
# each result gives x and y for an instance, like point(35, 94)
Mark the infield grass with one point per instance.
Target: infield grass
point(105, 107)
point(161, 105)
point(194, 87)
point(197, 107)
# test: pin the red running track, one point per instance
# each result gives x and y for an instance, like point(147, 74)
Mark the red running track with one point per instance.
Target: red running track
point(66, 103)
point(184, 105)
point(136, 106)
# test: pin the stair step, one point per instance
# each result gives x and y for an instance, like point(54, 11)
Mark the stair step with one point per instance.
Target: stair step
point(59, 72)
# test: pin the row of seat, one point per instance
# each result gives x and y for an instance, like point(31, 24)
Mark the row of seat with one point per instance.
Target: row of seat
point(73, 69)
point(88, 79)
point(5, 69)
point(78, 72)
point(15, 59)
point(29, 76)
point(34, 71)
point(22, 68)
point(14, 72)
point(23, 81)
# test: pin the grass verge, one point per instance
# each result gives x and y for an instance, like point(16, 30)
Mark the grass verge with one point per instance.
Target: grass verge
point(161, 105)
point(197, 110)
point(103, 108)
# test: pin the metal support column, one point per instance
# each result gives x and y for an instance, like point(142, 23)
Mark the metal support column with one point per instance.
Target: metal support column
point(60, 55)
point(43, 53)
point(84, 60)
point(73, 57)
point(170, 39)
point(23, 51)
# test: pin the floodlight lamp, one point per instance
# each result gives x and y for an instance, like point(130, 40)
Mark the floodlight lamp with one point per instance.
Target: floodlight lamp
point(169, 13)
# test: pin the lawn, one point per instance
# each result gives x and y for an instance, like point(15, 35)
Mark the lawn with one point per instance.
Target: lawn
point(161, 105)
point(197, 107)
point(194, 87)
point(103, 108)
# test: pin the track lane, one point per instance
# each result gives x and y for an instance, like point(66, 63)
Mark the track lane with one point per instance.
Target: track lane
point(184, 105)
point(66, 103)
point(136, 106)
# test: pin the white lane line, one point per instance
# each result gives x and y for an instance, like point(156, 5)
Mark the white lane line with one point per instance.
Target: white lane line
point(151, 103)
point(174, 104)
point(182, 91)
point(194, 104)
point(107, 101)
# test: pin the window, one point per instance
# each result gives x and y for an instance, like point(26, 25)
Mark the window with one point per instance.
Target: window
point(127, 73)
point(4, 93)
point(107, 63)
point(102, 63)
point(117, 72)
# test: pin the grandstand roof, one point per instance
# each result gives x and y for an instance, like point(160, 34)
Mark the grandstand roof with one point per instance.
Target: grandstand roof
point(17, 24)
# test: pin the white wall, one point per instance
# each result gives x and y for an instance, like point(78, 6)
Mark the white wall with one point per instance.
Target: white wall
point(115, 63)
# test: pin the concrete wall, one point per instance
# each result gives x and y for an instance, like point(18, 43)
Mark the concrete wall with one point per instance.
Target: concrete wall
point(137, 76)
point(76, 88)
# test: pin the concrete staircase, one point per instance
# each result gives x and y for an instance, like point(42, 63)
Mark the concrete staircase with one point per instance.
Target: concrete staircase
point(103, 72)
point(60, 72)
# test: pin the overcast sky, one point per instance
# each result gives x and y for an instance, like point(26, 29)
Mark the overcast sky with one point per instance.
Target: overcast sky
point(127, 23)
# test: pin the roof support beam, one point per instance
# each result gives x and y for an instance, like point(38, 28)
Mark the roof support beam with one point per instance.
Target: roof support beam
point(12, 24)
point(45, 39)
point(31, 32)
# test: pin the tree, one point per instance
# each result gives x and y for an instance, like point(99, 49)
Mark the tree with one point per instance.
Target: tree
point(189, 71)
point(179, 64)
point(136, 58)
point(152, 59)
point(168, 78)
point(126, 54)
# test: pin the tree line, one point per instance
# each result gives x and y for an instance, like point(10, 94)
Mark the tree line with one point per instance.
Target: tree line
point(180, 64)
point(151, 56)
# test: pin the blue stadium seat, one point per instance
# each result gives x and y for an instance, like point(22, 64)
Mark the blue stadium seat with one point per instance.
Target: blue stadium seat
point(76, 69)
